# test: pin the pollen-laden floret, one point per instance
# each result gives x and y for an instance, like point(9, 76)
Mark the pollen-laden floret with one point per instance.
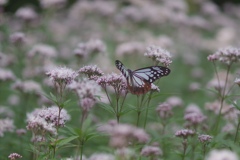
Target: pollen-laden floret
point(62, 75)
point(226, 55)
point(46, 120)
point(158, 55)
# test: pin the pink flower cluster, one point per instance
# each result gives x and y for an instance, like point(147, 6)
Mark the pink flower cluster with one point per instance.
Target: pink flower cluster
point(185, 133)
point(62, 75)
point(92, 71)
point(117, 81)
point(93, 46)
point(158, 55)
point(123, 135)
point(226, 55)
point(14, 156)
point(46, 119)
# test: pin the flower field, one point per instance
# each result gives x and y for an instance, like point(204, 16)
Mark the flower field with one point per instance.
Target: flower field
point(120, 80)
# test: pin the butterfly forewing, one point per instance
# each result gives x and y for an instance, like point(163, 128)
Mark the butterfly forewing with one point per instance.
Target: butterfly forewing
point(121, 67)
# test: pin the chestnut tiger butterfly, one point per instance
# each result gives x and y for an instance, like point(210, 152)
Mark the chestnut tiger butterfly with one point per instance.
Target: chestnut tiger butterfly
point(139, 81)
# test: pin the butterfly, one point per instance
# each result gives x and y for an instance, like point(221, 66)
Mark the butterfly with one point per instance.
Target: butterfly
point(140, 80)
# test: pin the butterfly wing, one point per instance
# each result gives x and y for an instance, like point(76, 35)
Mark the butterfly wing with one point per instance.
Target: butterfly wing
point(151, 74)
point(121, 67)
point(139, 81)
point(138, 85)
point(143, 78)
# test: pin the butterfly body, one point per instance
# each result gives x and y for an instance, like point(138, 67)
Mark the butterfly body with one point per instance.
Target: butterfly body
point(140, 81)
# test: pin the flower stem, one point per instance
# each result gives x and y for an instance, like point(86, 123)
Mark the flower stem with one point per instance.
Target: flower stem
point(236, 135)
point(146, 115)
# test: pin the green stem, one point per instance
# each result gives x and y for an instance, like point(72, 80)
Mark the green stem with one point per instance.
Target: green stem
point(81, 154)
point(146, 115)
point(222, 97)
point(236, 135)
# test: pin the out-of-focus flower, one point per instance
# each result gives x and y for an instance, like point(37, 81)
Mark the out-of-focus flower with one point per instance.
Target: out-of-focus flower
point(175, 101)
point(123, 134)
point(129, 48)
point(237, 81)
point(26, 14)
point(125, 153)
point(209, 8)
point(92, 71)
point(151, 151)
point(164, 110)
point(14, 156)
point(203, 138)
point(27, 87)
point(43, 50)
point(219, 81)
point(222, 155)
point(93, 46)
point(227, 110)
point(185, 133)
point(6, 112)
point(86, 89)
point(21, 132)
point(6, 125)
point(101, 156)
point(87, 103)
point(226, 55)
point(229, 128)
point(194, 116)
point(6, 59)
point(52, 3)
point(155, 88)
point(18, 38)
point(117, 81)
point(46, 119)
point(3, 2)
point(62, 75)
point(38, 138)
point(6, 75)
point(158, 55)
point(13, 100)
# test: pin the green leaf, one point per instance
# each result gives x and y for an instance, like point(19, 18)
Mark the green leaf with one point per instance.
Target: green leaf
point(107, 107)
point(64, 141)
